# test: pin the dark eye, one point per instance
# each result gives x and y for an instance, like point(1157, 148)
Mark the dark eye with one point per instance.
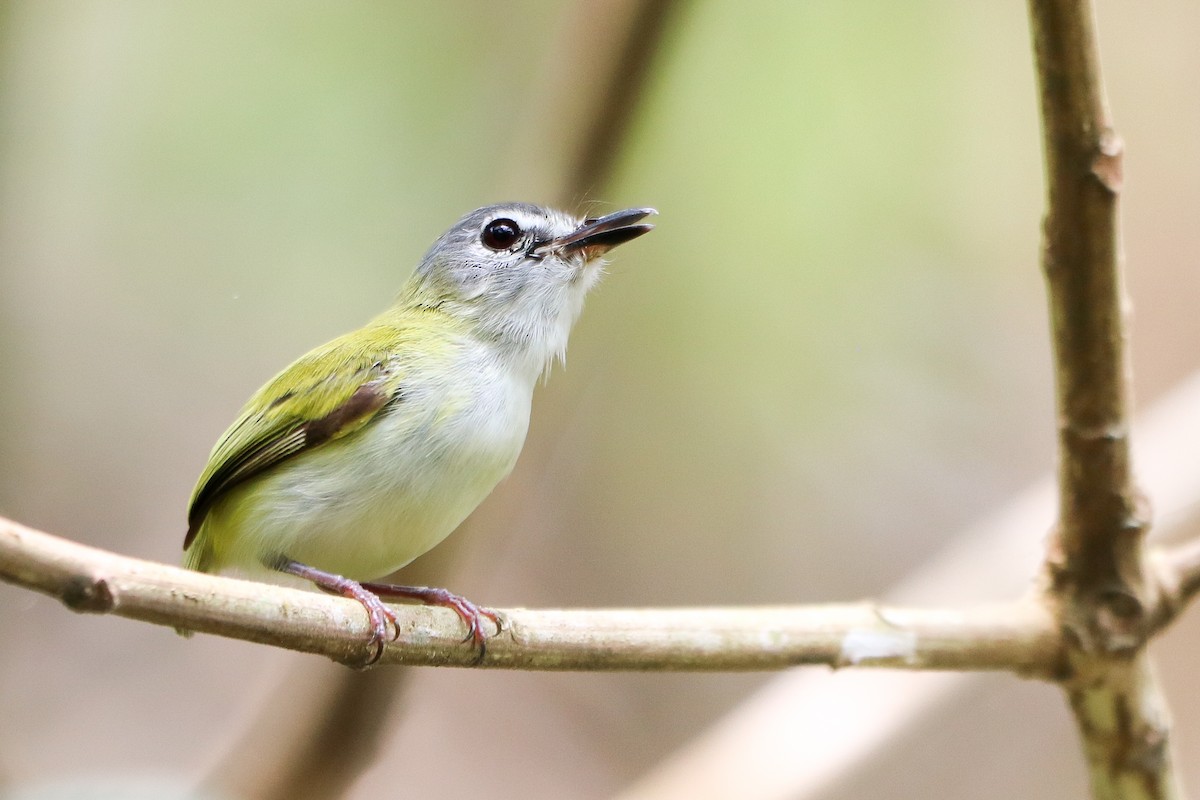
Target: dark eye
point(500, 234)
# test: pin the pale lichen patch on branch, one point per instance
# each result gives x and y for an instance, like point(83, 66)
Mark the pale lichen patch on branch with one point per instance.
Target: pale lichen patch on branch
point(862, 646)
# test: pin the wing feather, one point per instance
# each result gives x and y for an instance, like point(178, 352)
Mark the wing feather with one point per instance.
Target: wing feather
point(331, 392)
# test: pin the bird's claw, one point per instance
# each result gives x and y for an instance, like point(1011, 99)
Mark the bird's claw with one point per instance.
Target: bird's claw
point(471, 614)
point(379, 616)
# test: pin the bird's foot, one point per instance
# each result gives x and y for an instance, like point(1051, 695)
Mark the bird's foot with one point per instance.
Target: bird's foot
point(378, 614)
point(470, 613)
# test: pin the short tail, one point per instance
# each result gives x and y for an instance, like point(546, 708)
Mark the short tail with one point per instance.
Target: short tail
point(197, 556)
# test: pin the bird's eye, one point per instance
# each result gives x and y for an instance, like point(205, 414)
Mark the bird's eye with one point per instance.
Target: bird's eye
point(500, 234)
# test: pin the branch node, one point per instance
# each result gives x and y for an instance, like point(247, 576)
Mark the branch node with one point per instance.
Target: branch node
point(1107, 163)
point(1111, 620)
point(89, 594)
point(1120, 620)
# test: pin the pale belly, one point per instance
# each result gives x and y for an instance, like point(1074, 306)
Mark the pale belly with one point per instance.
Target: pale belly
point(370, 503)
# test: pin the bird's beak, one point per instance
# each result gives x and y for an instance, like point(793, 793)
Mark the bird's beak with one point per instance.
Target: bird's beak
point(595, 237)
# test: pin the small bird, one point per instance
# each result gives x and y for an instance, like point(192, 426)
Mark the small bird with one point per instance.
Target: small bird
point(369, 450)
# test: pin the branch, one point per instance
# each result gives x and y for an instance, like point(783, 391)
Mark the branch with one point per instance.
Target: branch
point(319, 729)
point(618, 91)
point(1018, 637)
point(1176, 570)
point(1183, 562)
point(595, 84)
point(1100, 524)
point(989, 559)
point(1095, 568)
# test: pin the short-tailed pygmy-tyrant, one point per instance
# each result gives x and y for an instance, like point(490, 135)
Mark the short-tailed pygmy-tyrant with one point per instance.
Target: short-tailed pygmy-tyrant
point(369, 450)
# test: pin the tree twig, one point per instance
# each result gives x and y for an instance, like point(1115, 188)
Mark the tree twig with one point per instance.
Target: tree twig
point(1177, 579)
point(593, 86)
point(1098, 561)
point(1018, 637)
point(619, 91)
point(312, 738)
point(1095, 567)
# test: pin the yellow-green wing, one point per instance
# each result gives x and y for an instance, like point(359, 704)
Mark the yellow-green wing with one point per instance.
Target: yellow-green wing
point(328, 393)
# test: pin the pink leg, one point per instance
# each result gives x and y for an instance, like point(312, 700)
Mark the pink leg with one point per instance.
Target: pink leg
point(378, 614)
point(470, 613)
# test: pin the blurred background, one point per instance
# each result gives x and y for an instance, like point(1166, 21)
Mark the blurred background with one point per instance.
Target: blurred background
point(829, 358)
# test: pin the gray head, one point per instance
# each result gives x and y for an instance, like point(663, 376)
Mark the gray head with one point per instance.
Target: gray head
point(520, 272)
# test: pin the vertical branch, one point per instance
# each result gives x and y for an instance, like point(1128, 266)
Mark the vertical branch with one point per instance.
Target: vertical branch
point(1099, 525)
point(619, 95)
point(1095, 569)
point(313, 737)
point(597, 68)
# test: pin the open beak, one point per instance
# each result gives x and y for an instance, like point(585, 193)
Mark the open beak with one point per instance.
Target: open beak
point(595, 237)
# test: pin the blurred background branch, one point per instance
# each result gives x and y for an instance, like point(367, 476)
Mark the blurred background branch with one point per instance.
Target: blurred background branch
point(1178, 571)
point(587, 93)
point(296, 747)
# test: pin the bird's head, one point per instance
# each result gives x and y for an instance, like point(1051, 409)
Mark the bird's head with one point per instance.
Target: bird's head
point(518, 273)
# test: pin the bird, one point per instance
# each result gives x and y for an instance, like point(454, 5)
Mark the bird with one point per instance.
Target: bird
point(369, 450)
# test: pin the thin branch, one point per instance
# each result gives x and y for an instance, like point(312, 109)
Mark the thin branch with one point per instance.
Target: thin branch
point(619, 93)
point(1019, 637)
point(1095, 566)
point(1184, 563)
point(1100, 522)
point(319, 729)
point(594, 86)
point(1177, 574)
